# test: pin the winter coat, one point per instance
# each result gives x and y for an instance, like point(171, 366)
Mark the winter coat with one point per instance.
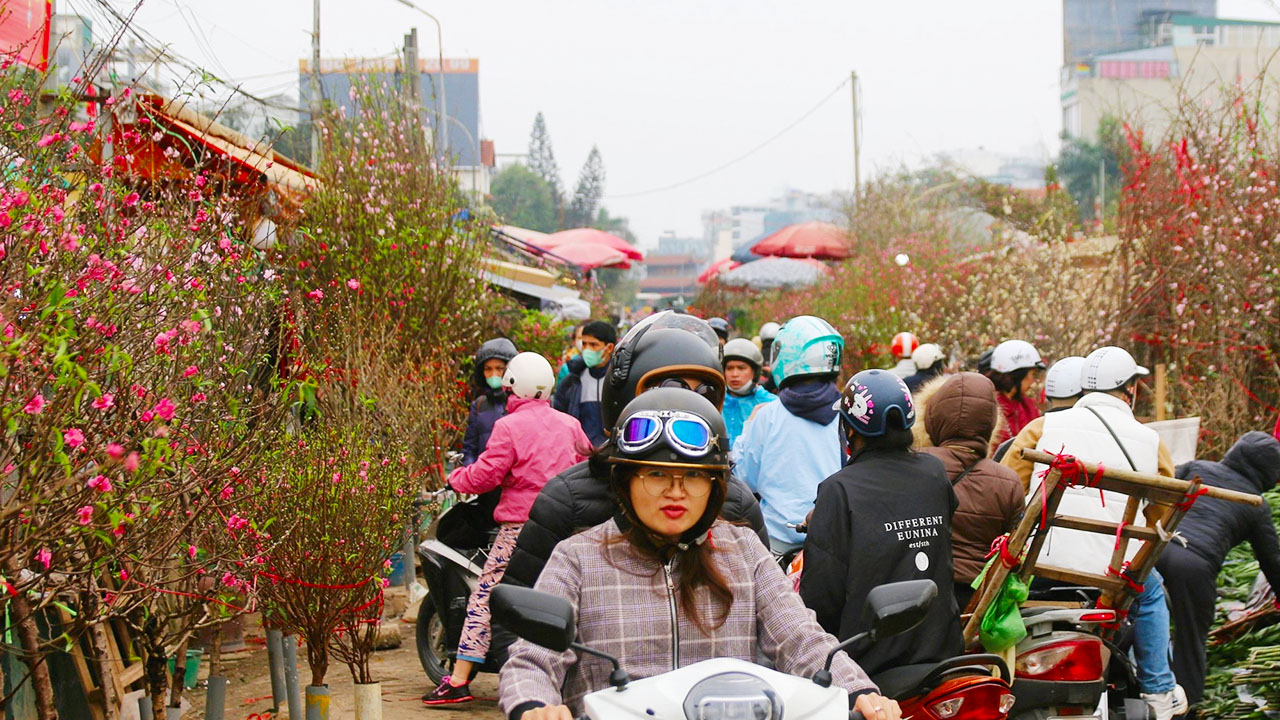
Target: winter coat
point(885, 517)
point(489, 404)
point(1078, 431)
point(961, 420)
point(917, 380)
point(1017, 413)
point(738, 409)
point(1212, 526)
point(529, 445)
point(624, 607)
point(905, 368)
point(568, 399)
point(576, 500)
point(782, 458)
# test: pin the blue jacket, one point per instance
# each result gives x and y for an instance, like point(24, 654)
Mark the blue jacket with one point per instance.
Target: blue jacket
point(783, 458)
point(737, 408)
point(568, 399)
point(484, 413)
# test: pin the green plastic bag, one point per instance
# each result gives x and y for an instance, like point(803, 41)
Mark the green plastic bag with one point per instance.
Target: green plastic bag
point(1002, 626)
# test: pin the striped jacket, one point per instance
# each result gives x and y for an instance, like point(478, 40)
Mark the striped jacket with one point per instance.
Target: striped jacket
point(625, 606)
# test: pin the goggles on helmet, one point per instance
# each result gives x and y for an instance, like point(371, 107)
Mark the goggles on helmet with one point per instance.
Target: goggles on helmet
point(684, 432)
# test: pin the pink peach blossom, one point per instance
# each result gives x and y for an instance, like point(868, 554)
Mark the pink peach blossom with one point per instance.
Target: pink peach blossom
point(85, 514)
point(73, 437)
point(35, 405)
point(104, 402)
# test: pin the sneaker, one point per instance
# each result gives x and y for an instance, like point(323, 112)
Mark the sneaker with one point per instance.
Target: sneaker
point(448, 694)
point(1167, 705)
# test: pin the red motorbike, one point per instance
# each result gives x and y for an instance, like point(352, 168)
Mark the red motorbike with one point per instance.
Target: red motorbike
point(958, 688)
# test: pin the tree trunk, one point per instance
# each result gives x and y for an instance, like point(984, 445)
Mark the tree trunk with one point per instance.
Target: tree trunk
point(179, 674)
point(23, 618)
point(157, 672)
point(317, 658)
point(106, 669)
point(215, 653)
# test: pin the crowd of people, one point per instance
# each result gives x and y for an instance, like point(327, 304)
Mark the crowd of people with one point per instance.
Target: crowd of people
point(655, 479)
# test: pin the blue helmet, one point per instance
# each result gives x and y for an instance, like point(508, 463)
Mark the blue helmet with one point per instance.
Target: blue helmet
point(872, 400)
point(806, 345)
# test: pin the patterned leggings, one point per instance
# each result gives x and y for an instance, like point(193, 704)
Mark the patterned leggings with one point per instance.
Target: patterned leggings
point(473, 644)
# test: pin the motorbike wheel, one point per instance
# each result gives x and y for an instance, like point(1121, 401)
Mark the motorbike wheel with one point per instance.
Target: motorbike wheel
point(429, 634)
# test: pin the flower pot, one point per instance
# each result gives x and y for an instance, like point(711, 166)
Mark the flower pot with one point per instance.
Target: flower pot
point(369, 701)
point(317, 702)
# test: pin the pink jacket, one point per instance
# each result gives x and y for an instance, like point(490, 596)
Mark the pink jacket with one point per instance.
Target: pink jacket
point(529, 445)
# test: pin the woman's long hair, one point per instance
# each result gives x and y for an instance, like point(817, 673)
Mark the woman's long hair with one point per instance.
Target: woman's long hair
point(1005, 382)
point(695, 561)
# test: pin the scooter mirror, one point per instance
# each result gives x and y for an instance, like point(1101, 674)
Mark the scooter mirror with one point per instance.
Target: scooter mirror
point(538, 617)
point(897, 607)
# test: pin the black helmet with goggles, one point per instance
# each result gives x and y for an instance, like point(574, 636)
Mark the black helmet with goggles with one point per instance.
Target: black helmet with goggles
point(670, 427)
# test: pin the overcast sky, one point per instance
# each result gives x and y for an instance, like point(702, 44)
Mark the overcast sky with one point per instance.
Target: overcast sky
point(670, 89)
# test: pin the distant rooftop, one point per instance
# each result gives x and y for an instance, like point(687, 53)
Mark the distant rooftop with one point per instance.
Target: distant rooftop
point(1201, 21)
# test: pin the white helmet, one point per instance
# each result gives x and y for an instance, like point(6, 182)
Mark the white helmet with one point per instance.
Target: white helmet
point(769, 330)
point(926, 355)
point(529, 375)
point(744, 350)
point(1013, 355)
point(1109, 368)
point(1063, 379)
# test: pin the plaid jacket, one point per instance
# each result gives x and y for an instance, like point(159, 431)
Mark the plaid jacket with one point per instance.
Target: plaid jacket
point(624, 607)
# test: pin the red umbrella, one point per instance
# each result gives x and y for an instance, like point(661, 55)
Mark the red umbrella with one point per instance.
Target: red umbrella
point(592, 236)
point(806, 240)
point(589, 256)
point(716, 268)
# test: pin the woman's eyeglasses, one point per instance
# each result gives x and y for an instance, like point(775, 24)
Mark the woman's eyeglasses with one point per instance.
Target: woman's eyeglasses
point(658, 481)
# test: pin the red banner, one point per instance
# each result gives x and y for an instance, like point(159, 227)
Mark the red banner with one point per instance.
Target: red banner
point(24, 31)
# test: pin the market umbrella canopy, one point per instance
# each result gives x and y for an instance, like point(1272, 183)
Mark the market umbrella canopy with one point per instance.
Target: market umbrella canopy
point(774, 272)
point(806, 240)
point(716, 268)
point(589, 256)
point(592, 236)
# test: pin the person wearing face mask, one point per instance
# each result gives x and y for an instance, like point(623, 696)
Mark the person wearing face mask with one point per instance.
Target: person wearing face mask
point(665, 582)
point(490, 401)
point(571, 352)
point(1100, 428)
point(579, 394)
point(742, 364)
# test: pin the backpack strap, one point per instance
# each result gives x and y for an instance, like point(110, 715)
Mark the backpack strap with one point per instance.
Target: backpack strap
point(1115, 437)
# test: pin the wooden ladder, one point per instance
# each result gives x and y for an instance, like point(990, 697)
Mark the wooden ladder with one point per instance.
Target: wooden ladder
point(1122, 581)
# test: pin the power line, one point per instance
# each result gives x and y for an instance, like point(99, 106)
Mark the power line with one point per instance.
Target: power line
point(741, 157)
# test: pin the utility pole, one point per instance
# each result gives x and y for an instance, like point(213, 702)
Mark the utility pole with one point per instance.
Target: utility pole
point(411, 72)
point(857, 141)
point(315, 85)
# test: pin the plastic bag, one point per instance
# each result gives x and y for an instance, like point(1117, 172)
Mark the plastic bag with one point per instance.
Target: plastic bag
point(1002, 625)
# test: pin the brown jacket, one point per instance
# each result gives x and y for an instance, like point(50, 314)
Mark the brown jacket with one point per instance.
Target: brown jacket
point(961, 416)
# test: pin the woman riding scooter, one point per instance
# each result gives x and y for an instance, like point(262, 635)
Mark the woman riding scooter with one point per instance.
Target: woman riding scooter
point(665, 583)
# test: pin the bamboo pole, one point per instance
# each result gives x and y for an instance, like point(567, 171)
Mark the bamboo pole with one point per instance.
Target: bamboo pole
point(1162, 390)
point(1159, 483)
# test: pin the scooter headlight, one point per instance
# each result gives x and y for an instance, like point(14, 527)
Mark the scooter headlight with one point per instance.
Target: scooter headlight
point(733, 696)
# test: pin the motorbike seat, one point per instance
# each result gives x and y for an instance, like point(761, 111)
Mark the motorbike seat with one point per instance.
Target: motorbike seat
point(900, 681)
point(906, 680)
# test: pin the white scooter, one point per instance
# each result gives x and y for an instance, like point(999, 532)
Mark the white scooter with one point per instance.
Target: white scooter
point(719, 689)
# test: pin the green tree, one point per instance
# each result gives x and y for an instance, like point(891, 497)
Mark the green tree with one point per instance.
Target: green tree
point(522, 198)
point(586, 196)
point(542, 161)
point(1079, 163)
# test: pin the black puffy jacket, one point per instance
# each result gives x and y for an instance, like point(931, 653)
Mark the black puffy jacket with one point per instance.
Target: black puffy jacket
point(1212, 527)
point(576, 500)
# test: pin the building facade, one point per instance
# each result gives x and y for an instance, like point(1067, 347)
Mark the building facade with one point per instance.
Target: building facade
point(1098, 27)
point(1140, 86)
point(472, 159)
